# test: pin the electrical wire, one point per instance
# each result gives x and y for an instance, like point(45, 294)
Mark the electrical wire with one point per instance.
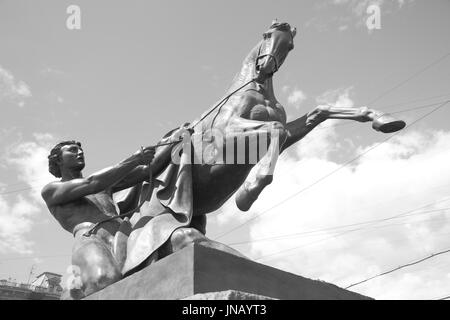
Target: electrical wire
point(399, 267)
point(324, 230)
point(409, 78)
point(343, 233)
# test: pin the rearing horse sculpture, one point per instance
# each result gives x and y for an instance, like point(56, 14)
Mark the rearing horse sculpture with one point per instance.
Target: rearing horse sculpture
point(252, 110)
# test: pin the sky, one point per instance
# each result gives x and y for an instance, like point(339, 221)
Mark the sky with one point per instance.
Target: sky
point(137, 69)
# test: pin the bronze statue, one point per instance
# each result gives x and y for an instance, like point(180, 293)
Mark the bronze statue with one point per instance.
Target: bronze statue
point(181, 193)
point(184, 192)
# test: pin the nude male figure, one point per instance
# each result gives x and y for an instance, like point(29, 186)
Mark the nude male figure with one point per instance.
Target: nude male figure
point(79, 202)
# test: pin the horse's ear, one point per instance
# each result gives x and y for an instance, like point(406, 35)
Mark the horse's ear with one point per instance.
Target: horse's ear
point(274, 21)
point(293, 32)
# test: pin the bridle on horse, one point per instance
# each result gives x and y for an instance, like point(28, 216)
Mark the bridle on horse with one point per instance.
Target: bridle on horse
point(259, 56)
point(274, 57)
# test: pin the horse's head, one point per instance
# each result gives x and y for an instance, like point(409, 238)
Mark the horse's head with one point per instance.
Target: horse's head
point(276, 44)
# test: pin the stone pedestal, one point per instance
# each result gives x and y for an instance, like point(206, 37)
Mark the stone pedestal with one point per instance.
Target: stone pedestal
point(200, 273)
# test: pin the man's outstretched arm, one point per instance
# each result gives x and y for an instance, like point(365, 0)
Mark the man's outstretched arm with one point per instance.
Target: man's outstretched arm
point(65, 191)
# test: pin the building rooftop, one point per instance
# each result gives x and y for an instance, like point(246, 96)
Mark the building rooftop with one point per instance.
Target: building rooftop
point(49, 274)
point(45, 286)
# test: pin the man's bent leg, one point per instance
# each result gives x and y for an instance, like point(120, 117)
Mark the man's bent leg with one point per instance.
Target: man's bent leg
point(98, 267)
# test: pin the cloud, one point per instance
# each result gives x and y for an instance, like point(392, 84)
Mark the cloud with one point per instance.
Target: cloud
point(30, 160)
point(322, 141)
point(339, 98)
point(15, 222)
point(12, 90)
point(296, 97)
point(404, 174)
point(18, 212)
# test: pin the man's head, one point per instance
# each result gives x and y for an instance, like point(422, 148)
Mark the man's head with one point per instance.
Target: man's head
point(66, 153)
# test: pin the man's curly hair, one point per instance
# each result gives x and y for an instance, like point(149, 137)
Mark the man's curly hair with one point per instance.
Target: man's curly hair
point(54, 156)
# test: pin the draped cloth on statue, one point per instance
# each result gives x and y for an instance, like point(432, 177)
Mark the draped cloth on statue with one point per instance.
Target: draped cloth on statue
point(170, 207)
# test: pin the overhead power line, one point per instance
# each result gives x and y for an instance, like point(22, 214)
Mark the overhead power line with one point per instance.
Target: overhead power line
point(398, 268)
point(350, 231)
point(340, 234)
point(15, 191)
point(412, 101)
point(418, 72)
point(291, 235)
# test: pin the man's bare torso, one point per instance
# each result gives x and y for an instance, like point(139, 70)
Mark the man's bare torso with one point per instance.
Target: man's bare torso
point(88, 209)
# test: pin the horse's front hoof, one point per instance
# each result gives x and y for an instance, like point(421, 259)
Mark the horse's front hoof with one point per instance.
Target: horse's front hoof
point(243, 202)
point(245, 198)
point(388, 124)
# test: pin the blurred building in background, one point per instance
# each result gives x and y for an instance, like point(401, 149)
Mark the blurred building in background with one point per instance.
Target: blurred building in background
point(46, 286)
